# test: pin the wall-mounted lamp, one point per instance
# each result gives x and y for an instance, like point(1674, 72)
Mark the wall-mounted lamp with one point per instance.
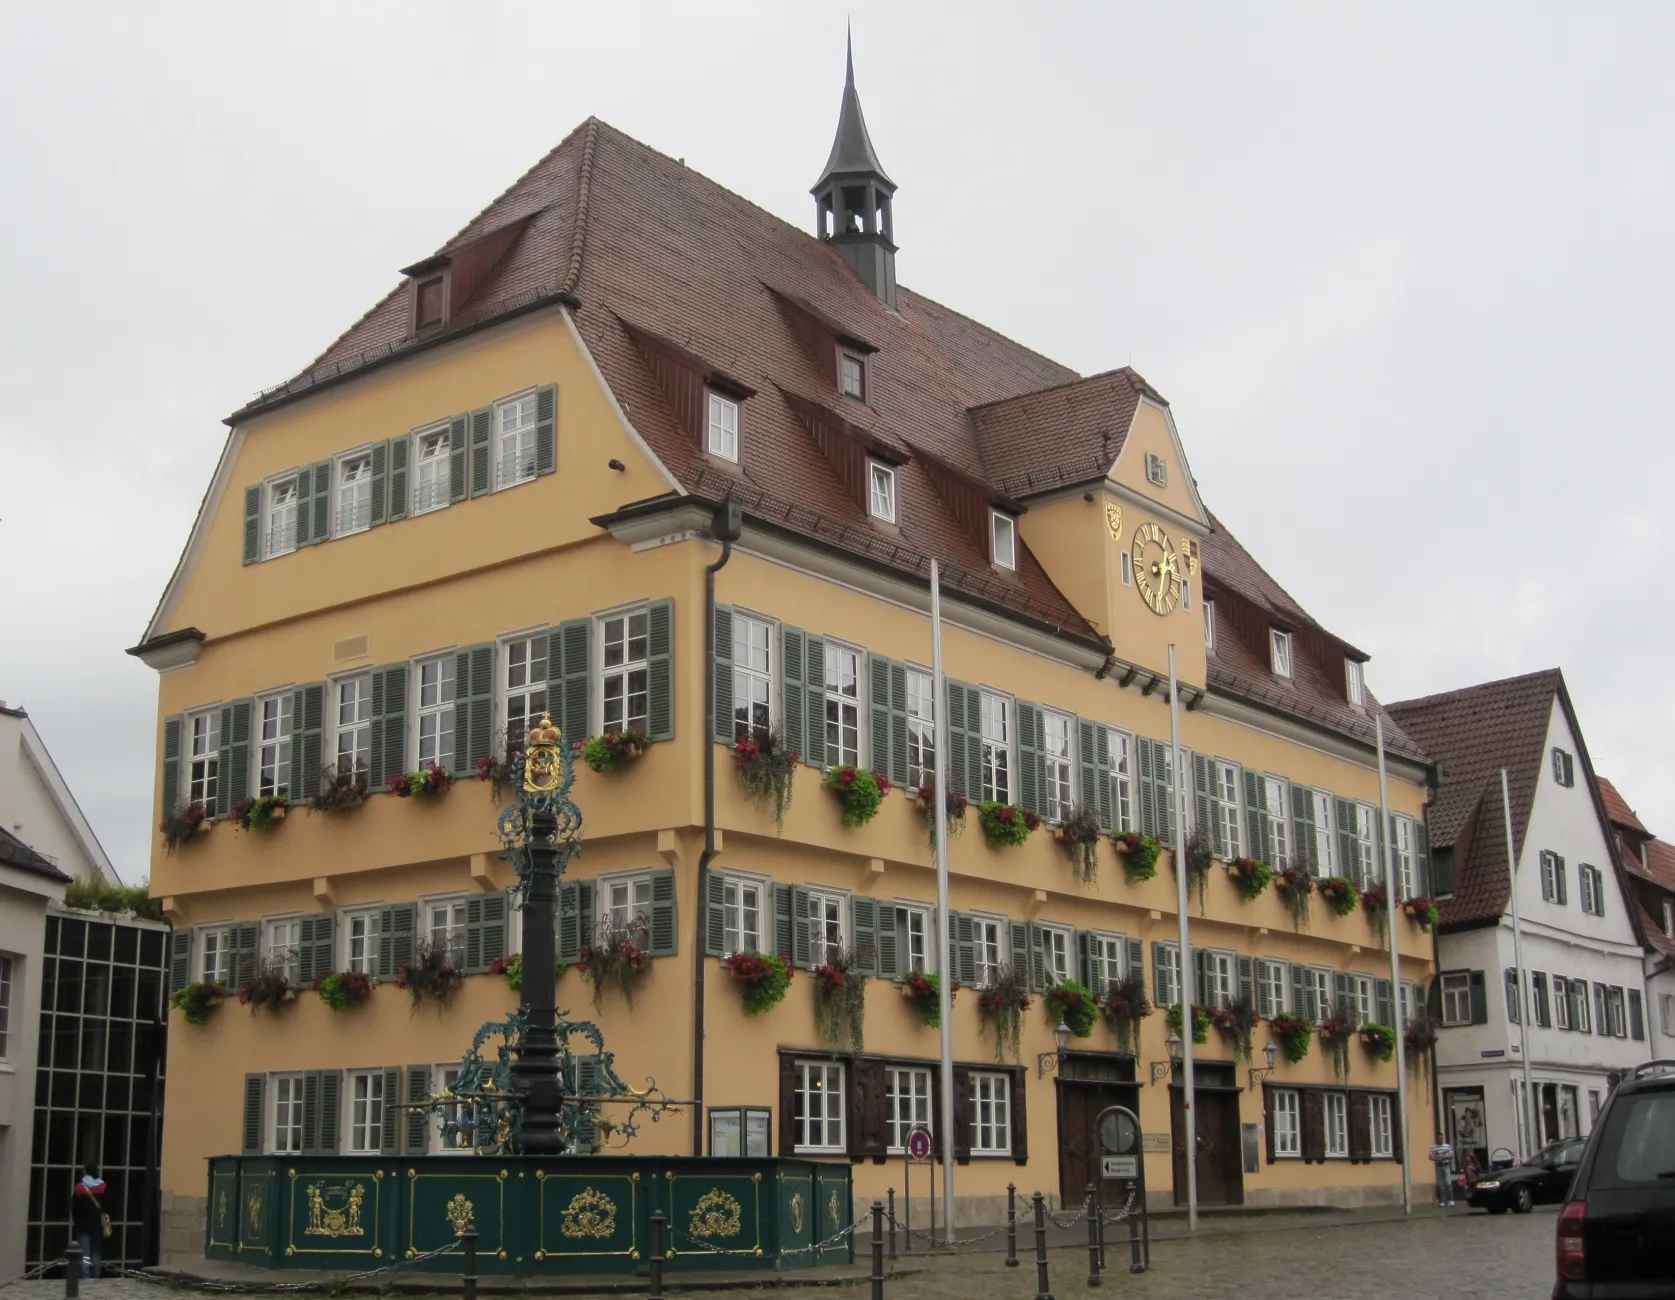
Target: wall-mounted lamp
point(616, 464)
point(1270, 1054)
point(1160, 1069)
point(1045, 1061)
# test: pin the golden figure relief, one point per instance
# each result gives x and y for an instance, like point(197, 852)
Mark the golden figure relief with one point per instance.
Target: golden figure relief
point(221, 1212)
point(341, 1220)
point(796, 1211)
point(253, 1211)
point(1113, 519)
point(716, 1215)
point(833, 1212)
point(590, 1214)
point(459, 1212)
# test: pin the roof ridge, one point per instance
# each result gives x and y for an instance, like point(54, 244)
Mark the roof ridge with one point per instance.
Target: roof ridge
point(1135, 379)
point(1421, 701)
point(584, 197)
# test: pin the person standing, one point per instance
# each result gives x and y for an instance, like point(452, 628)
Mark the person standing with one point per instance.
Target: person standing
point(1442, 1156)
point(87, 1218)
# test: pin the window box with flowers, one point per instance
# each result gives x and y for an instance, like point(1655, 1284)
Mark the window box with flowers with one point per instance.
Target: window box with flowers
point(766, 770)
point(1335, 1034)
point(426, 783)
point(1250, 876)
point(1000, 1010)
point(1379, 1040)
point(923, 994)
point(500, 770)
point(859, 792)
point(1200, 1022)
point(1418, 1041)
point(614, 961)
point(1236, 1023)
point(271, 988)
point(1295, 885)
point(613, 750)
point(840, 1003)
point(512, 969)
point(342, 990)
point(1005, 825)
point(1199, 855)
point(1423, 911)
point(182, 823)
point(197, 1002)
point(1125, 1005)
point(1072, 1005)
point(336, 791)
point(953, 816)
point(1139, 855)
point(762, 977)
point(1294, 1034)
point(430, 974)
point(1080, 836)
point(259, 814)
point(1375, 903)
point(1340, 894)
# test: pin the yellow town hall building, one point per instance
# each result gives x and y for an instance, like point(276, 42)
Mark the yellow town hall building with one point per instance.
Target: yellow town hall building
point(494, 496)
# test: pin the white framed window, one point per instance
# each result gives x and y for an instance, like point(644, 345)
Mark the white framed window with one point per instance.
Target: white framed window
point(433, 688)
point(366, 1111)
point(524, 685)
point(514, 421)
point(282, 499)
point(843, 705)
point(1218, 971)
point(741, 915)
point(1003, 535)
point(1317, 988)
point(1593, 893)
point(1273, 987)
point(1056, 952)
point(1226, 806)
point(1209, 625)
point(1669, 918)
point(1324, 853)
point(1337, 1124)
point(1186, 593)
point(625, 906)
point(1122, 780)
point(216, 958)
point(1561, 1002)
point(360, 940)
point(273, 744)
point(881, 491)
point(282, 944)
point(1280, 645)
point(1355, 683)
point(1666, 1012)
point(991, 1114)
point(1278, 794)
point(431, 457)
point(752, 674)
point(915, 938)
point(1157, 469)
point(1127, 568)
point(1288, 1126)
point(1057, 760)
point(1456, 997)
point(818, 1121)
point(203, 775)
point(852, 375)
point(724, 427)
point(1366, 865)
point(907, 1104)
point(921, 729)
point(1413, 1004)
point(5, 1007)
point(354, 493)
point(1564, 767)
point(1383, 1129)
point(828, 924)
point(352, 723)
point(997, 747)
point(285, 1115)
point(444, 926)
point(1552, 871)
point(1361, 1000)
point(990, 937)
point(624, 681)
point(1403, 844)
point(1614, 1006)
point(1107, 960)
point(1167, 974)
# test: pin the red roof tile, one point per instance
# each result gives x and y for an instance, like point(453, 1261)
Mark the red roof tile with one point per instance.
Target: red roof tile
point(1616, 807)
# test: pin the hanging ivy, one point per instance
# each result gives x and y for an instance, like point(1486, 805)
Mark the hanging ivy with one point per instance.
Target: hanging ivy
point(1335, 1034)
point(1080, 836)
point(1139, 855)
point(1294, 1034)
point(1125, 1005)
point(924, 994)
point(840, 1003)
point(1295, 885)
point(859, 791)
point(1199, 855)
point(1072, 1005)
point(1001, 1009)
point(1236, 1023)
point(1340, 894)
point(762, 977)
point(1379, 1040)
point(766, 770)
point(1250, 876)
point(1200, 1023)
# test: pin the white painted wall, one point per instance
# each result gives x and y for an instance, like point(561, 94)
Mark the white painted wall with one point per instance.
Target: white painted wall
point(37, 806)
point(1659, 987)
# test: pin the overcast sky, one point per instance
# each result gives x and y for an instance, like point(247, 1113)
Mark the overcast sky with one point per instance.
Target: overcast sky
point(1403, 272)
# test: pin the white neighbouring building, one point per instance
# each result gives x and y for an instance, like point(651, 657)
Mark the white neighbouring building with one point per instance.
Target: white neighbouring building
point(1581, 1011)
point(1649, 868)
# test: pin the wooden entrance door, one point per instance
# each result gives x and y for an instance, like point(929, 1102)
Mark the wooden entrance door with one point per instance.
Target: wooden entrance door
point(1221, 1175)
point(1080, 1104)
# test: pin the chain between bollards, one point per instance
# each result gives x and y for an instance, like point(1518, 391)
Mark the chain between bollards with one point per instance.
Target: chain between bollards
point(468, 1270)
point(1041, 1291)
point(892, 1195)
point(878, 1250)
point(72, 1270)
point(656, 1262)
point(1093, 1241)
point(1011, 1225)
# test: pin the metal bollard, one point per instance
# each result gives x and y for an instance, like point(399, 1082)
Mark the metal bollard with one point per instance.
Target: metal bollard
point(1134, 1265)
point(892, 1194)
point(1093, 1241)
point(72, 1270)
point(1011, 1225)
point(656, 1261)
point(468, 1274)
point(1099, 1217)
point(1041, 1291)
point(878, 1250)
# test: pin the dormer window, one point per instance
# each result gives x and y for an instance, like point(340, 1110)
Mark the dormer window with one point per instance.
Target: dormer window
point(1157, 469)
point(852, 374)
point(724, 427)
point(428, 309)
point(1003, 532)
point(1355, 683)
point(881, 491)
point(1281, 648)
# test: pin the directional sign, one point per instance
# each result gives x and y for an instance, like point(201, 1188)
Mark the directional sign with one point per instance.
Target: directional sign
point(919, 1144)
point(1119, 1167)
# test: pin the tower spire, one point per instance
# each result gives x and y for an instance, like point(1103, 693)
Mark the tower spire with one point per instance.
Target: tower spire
point(854, 193)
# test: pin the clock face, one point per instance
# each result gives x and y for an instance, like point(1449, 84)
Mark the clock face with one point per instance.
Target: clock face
point(1157, 568)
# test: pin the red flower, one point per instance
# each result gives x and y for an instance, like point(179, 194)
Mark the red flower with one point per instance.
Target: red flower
point(1005, 815)
point(396, 783)
point(1032, 821)
point(884, 786)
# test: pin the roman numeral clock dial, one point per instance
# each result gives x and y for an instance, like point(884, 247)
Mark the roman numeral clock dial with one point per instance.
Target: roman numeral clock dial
point(1157, 572)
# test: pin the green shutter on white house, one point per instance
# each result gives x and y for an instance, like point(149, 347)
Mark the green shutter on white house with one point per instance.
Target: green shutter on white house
point(224, 763)
point(172, 727)
point(660, 670)
point(721, 683)
point(878, 716)
point(474, 705)
point(1022, 935)
point(802, 940)
point(485, 931)
point(665, 929)
point(1134, 964)
point(576, 919)
point(482, 451)
point(326, 1116)
point(1304, 848)
point(388, 727)
point(459, 487)
point(1163, 996)
point(244, 941)
point(963, 938)
point(1095, 753)
point(1247, 981)
point(1349, 852)
point(252, 524)
point(813, 748)
point(784, 932)
point(546, 429)
point(569, 676)
point(1302, 993)
point(793, 694)
point(1028, 794)
point(889, 952)
point(1384, 1004)
point(417, 1137)
point(400, 450)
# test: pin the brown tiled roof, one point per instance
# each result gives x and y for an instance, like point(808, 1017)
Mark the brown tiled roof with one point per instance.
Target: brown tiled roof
point(1659, 867)
point(1616, 807)
point(1072, 433)
point(15, 853)
point(1652, 928)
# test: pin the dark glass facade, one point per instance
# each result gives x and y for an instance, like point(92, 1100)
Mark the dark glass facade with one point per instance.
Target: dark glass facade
point(99, 1080)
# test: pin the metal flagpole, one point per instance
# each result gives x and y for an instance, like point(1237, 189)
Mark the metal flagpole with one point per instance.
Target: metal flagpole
point(1390, 911)
point(1526, 1112)
point(1178, 788)
point(939, 815)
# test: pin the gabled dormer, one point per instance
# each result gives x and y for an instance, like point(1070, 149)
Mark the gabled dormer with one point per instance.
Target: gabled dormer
point(439, 287)
point(708, 402)
point(838, 351)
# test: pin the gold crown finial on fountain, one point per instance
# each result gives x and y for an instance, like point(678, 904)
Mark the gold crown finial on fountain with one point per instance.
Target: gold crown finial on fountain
point(542, 765)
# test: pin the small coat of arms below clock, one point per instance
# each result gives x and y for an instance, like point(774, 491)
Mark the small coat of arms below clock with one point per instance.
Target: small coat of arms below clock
point(1113, 518)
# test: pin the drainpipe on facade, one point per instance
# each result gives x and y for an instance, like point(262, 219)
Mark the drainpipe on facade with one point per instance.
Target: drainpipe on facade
point(724, 528)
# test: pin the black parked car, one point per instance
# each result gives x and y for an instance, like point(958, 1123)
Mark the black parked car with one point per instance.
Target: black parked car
point(1543, 1181)
point(1615, 1233)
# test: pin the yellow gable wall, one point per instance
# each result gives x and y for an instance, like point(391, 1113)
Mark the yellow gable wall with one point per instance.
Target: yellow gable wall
point(1068, 536)
point(1149, 432)
point(222, 594)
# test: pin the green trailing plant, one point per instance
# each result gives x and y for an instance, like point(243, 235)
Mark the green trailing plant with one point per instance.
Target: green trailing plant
point(1199, 855)
point(102, 896)
point(1139, 855)
point(1419, 1042)
point(762, 977)
point(341, 990)
point(336, 791)
point(613, 750)
point(1005, 825)
point(859, 792)
point(270, 987)
point(1340, 894)
point(1073, 1005)
point(512, 969)
point(1250, 876)
point(1295, 885)
point(1379, 1040)
point(840, 1003)
point(182, 823)
point(1335, 1035)
point(953, 816)
point(1236, 1023)
point(500, 769)
point(1423, 911)
point(431, 974)
point(924, 994)
point(260, 814)
point(1000, 1010)
point(1080, 836)
point(616, 961)
point(426, 783)
point(197, 1002)
point(766, 770)
point(1125, 1005)
point(1375, 903)
point(1294, 1034)
point(1200, 1023)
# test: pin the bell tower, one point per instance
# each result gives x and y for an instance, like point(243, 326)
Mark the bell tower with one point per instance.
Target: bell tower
point(852, 198)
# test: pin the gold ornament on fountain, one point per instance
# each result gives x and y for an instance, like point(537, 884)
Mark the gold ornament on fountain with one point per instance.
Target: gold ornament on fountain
point(542, 767)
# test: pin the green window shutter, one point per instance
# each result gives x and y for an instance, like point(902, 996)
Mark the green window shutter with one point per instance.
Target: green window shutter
point(180, 959)
point(898, 724)
point(966, 943)
point(396, 508)
point(1027, 795)
point(802, 942)
point(1304, 850)
point(889, 954)
point(793, 644)
point(308, 716)
point(380, 483)
point(864, 931)
point(1102, 798)
point(459, 487)
point(482, 451)
point(665, 930)
point(1145, 760)
point(314, 947)
point(1343, 997)
point(1559, 875)
point(1087, 774)
point(1261, 830)
point(814, 714)
point(1202, 984)
point(546, 429)
point(1205, 804)
point(1300, 994)
point(254, 1109)
point(1384, 1003)
point(785, 938)
point(1021, 933)
point(389, 724)
point(1479, 998)
point(171, 762)
point(1084, 959)
point(721, 685)
point(311, 1112)
point(1136, 963)
point(1160, 994)
point(960, 778)
point(252, 524)
point(660, 670)
point(224, 763)
point(974, 743)
point(474, 705)
point(331, 1094)
point(878, 714)
point(1264, 1003)
point(1349, 854)
point(246, 946)
point(485, 931)
point(320, 498)
point(237, 784)
point(417, 1126)
point(569, 650)
point(396, 928)
point(715, 916)
point(390, 1131)
point(567, 939)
